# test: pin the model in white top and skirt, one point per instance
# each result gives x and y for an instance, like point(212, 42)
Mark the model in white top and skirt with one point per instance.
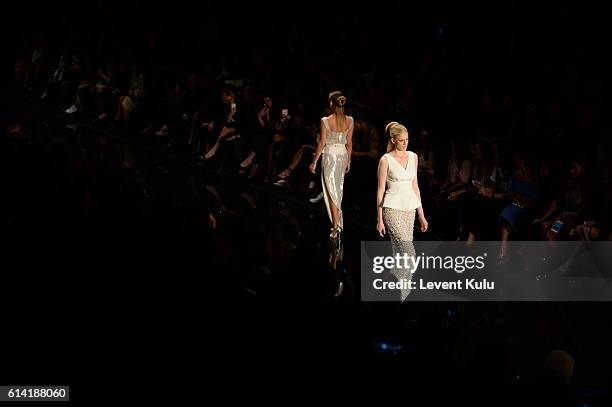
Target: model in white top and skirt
point(334, 149)
point(398, 197)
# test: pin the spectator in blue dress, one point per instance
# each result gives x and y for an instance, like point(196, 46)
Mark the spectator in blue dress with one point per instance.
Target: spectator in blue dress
point(523, 191)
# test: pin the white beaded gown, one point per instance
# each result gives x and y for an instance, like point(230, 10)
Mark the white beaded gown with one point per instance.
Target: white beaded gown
point(333, 167)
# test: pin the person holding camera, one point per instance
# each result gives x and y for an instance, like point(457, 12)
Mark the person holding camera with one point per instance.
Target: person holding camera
point(263, 136)
point(567, 209)
point(230, 126)
point(281, 128)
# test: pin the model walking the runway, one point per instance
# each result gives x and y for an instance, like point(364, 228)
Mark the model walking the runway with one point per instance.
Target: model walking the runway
point(398, 196)
point(334, 146)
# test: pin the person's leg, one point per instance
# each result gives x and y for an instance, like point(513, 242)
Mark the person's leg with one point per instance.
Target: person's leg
point(249, 160)
point(276, 142)
point(126, 115)
point(119, 114)
point(270, 158)
point(505, 233)
point(463, 206)
point(335, 215)
point(342, 161)
point(225, 132)
point(236, 150)
point(297, 158)
point(79, 98)
point(480, 219)
point(504, 237)
point(260, 149)
point(261, 146)
point(544, 228)
point(105, 104)
point(83, 97)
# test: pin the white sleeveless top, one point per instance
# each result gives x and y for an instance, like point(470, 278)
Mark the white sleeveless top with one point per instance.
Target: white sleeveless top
point(336, 140)
point(400, 194)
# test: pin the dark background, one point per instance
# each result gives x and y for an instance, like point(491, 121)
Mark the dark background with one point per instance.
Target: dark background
point(75, 309)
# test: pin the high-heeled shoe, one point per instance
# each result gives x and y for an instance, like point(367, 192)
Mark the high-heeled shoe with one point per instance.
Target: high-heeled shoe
point(248, 161)
point(256, 171)
point(317, 198)
point(285, 174)
point(211, 153)
point(163, 132)
point(339, 289)
point(284, 182)
point(335, 233)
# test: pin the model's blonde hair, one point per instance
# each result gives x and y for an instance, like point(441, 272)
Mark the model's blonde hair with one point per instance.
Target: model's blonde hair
point(338, 100)
point(394, 130)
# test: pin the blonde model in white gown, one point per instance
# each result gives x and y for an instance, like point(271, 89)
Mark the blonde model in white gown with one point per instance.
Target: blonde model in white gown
point(399, 198)
point(334, 148)
point(334, 161)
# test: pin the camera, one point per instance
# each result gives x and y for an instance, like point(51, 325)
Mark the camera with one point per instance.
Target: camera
point(556, 227)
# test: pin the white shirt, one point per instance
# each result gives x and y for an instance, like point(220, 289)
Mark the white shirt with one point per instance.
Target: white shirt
point(400, 193)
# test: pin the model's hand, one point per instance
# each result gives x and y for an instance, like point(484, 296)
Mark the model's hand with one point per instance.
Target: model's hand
point(313, 167)
point(424, 224)
point(380, 228)
point(348, 166)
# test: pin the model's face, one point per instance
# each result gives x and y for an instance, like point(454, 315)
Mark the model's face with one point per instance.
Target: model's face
point(268, 102)
point(401, 142)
